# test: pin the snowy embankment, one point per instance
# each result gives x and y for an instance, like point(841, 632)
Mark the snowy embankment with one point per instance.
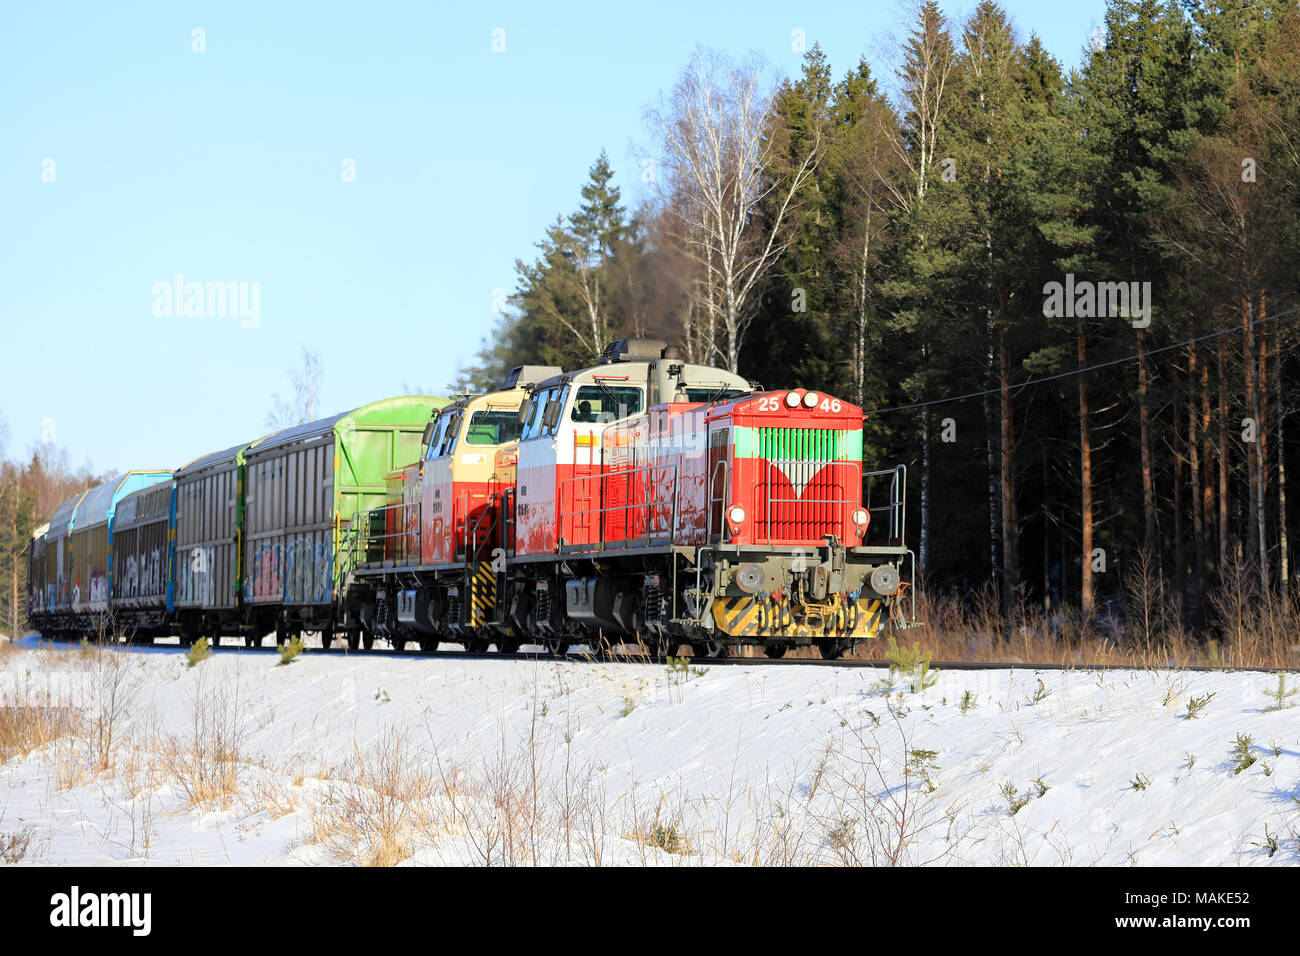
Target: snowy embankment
point(449, 760)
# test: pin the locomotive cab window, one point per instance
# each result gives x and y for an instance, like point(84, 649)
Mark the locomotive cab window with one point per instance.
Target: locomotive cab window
point(554, 410)
point(533, 428)
point(438, 436)
point(493, 426)
point(444, 437)
point(605, 403)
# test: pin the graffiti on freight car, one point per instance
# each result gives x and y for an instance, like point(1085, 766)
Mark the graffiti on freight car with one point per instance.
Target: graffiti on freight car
point(129, 586)
point(197, 583)
point(151, 572)
point(265, 581)
point(300, 572)
point(309, 576)
point(141, 576)
point(98, 588)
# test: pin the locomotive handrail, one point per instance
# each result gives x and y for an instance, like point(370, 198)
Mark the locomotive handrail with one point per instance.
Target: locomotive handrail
point(715, 499)
point(471, 534)
point(896, 507)
point(363, 539)
point(460, 518)
point(652, 528)
point(508, 519)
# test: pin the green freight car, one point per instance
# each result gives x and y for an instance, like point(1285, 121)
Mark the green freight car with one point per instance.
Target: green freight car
point(303, 485)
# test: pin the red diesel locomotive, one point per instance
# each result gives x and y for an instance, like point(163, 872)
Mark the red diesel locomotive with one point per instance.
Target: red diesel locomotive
point(643, 500)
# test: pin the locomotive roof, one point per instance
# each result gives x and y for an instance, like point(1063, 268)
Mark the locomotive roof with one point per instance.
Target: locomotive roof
point(622, 369)
point(465, 401)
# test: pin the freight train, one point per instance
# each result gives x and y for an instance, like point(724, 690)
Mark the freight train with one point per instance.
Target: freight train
point(644, 500)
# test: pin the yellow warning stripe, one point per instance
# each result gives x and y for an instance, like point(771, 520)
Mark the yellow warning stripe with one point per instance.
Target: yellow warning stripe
point(483, 593)
point(746, 616)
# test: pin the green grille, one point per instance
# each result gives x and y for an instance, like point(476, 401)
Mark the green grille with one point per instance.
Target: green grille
point(809, 444)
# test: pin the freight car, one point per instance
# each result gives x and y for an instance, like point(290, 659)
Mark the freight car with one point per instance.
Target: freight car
point(237, 543)
point(71, 582)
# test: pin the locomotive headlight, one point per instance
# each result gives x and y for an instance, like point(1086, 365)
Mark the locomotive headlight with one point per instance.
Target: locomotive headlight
point(792, 399)
point(810, 400)
point(736, 515)
point(859, 517)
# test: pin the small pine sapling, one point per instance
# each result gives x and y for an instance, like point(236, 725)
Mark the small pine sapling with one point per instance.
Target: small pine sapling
point(912, 663)
point(923, 764)
point(1242, 758)
point(1197, 704)
point(198, 653)
point(1270, 842)
point(1280, 695)
point(291, 651)
point(1015, 800)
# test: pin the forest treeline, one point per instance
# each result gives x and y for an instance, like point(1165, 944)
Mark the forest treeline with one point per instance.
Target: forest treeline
point(1124, 234)
point(29, 493)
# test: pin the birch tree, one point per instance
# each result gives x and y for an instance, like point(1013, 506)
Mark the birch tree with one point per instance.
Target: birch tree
point(716, 166)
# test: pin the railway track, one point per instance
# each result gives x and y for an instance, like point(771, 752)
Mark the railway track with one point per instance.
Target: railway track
point(631, 658)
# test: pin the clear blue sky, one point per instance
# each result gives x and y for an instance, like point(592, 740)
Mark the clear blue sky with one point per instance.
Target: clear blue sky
point(225, 166)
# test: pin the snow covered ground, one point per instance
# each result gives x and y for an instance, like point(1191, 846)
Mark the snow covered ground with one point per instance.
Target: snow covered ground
point(375, 760)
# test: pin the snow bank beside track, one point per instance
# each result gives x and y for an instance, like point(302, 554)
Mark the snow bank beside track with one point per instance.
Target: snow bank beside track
point(375, 760)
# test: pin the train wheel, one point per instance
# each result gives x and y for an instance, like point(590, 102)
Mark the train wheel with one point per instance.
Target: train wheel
point(399, 643)
point(428, 644)
point(252, 640)
point(354, 639)
point(508, 644)
point(474, 645)
point(832, 650)
point(367, 640)
point(775, 651)
point(558, 647)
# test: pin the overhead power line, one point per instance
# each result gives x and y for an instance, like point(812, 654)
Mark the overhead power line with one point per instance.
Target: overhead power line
point(1087, 368)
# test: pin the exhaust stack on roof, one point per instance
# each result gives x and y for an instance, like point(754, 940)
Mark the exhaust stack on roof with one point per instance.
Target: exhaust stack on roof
point(529, 375)
point(633, 350)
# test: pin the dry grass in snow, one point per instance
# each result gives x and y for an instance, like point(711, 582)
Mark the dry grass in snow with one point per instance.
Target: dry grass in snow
point(117, 756)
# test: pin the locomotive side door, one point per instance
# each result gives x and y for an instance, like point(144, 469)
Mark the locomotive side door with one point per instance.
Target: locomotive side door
point(541, 468)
